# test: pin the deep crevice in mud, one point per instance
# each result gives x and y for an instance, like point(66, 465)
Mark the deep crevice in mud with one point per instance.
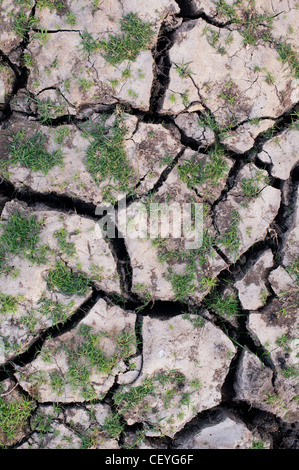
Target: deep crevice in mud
point(282, 221)
point(21, 72)
point(161, 68)
point(53, 331)
point(242, 339)
point(51, 200)
point(165, 173)
point(123, 262)
point(189, 11)
point(281, 435)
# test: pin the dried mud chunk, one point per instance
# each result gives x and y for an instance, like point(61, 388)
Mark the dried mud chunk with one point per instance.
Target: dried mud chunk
point(49, 261)
point(290, 248)
point(236, 83)
point(246, 214)
point(81, 364)
point(60, 437)
point(7, 78)
point(281, 152)
point(190, 124)
point(14, 19)
point(252, 289)
point(183, 371)
point(276, 328)
point(171, 265)
point(102, 161)
point(108, 59)
point(242, 139)
point(15, 411)
point(229, 433)
point(254, 385)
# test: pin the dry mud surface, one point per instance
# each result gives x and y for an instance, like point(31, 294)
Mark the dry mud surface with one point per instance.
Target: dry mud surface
point(123, 342)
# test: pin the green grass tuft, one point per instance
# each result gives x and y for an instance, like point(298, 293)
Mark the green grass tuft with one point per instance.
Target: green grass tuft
point(137, 35)
point(106, 158)
point(293, 269)
point(20, 236)
point(288, 56)
point(230, 238)
point(128, 400)
point(22, 24)
point(31, 152)
point(14, 416)
point(223, 305)
point(197, 173)
point(68, 282)
point(113, 425)
point(251, 186)
point(8, 303)
point(66, 247)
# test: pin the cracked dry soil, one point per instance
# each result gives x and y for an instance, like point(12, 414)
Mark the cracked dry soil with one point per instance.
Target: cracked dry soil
point(118, 342)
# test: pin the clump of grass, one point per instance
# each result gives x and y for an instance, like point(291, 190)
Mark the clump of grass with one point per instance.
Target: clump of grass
point(183, 69)
point(61, 134)
point(28, 60)
point(137, 35)
point(196, 320)
point(20, 236)
point(66, 281)
point(289, 372)
point(57, 382)
point(227, 10)
point(66, 247)
point(166, 384)
point(71, 18)
point(14, 416)
point(197, 173)
point(88, 44)
point(257, 445)
point(182, 284)
point(22, 24)
point(26, 3)
point(55, 311)
point(88, 355)
point(42, 422)
point(223, 305)
point(295, 120)
point(85, 84)
point(293, 269)
point(48, 4)
point(129, 399)
point(42, 35)
point(256, 27)
point(283, 342)
point(90, 348)
point(49, 110)
point(89, 439)
point(251, 186)
point(113, 425)
point(228, 93)
point(230, 238)
point(288, 56)
point(106, 158)
point(252, 26)
point(31, 152)
point(8, 303)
